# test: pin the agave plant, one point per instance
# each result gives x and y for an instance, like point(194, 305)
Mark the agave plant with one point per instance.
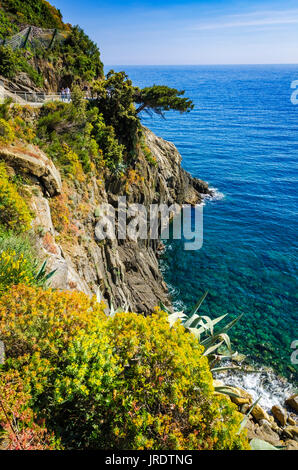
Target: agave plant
point(41, 277)
point(216, 341)
point(259, 444)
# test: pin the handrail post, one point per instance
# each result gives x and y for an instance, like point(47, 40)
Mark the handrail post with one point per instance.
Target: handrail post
point(27, 37)
point(53, 38)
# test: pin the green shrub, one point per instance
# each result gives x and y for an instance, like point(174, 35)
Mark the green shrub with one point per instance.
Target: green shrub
point(127, 382)
point(172, 405)
point(78, 101)
point(21, 244)
point(9, 66)
point(35, 12)
point(81, 57)
point(14, 61)
point(14, 212)
point(7, 28)
point(18, 262)
point(107, 141)
point(14, 269)
point(72, 134)
point(147, 152)
point(24, 65)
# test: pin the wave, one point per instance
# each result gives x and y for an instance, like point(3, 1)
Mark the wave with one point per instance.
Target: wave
point(266, 385)
point(215, 196)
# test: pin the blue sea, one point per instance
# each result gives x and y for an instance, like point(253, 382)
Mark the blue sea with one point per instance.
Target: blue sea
point(242, 138)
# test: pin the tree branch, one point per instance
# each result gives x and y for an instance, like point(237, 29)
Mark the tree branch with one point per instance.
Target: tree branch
point(141, 108)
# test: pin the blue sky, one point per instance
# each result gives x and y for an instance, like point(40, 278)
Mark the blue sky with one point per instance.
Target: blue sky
point(190, 32)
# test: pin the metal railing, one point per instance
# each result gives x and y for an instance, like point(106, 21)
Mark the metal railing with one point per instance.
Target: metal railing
point(33, 97)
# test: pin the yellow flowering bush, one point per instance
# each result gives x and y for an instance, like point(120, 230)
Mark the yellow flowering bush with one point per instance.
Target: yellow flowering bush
point(14, 212)
point(71, 164)
point(23, 129)
point(33, 320)
point(126, 382)
point(165, 397)
point(6, 132)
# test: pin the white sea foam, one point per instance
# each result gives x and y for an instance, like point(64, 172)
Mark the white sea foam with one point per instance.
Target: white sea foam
point(271, 389)
point(215, 196)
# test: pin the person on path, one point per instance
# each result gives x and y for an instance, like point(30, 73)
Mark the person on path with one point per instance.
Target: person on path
point(62, 94)
point(67, 93)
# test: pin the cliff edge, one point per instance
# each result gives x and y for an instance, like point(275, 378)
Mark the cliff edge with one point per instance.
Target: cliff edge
point(126, 272)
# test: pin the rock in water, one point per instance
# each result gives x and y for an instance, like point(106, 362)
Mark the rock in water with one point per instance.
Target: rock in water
point(292, 402)
point(243, 398)
point(292, 430)
point(259, 414)
point(280, 414)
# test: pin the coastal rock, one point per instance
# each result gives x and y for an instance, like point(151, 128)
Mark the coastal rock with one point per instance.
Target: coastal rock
point(258, 413)
point(125, 272)
point(272, 424)
point(266, 433)
point(291, 421)
point(66, 276)
point(263, 432)
point(280, 414)
point(291, 445)
point(292, 430)
point(32, 160)
point(243, 398)
point(41, 208)
point(292, 402)
point(170, 182)
point(244, 409)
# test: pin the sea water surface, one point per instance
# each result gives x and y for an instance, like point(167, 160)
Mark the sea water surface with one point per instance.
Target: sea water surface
point(242, 137)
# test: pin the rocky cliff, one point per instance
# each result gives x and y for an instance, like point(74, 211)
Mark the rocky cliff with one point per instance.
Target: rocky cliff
point(126, 272)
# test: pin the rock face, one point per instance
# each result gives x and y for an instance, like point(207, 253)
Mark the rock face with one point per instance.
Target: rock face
point(128, 271)
point(21, 82)
point(33, 161)
point(292, 402)
point(291, 445)
point(170, 183)
point(125, 271)
point(262, 431)
point(292, 430)
point(66, 277)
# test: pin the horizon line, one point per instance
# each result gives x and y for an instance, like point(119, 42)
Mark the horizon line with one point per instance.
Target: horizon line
point(197, 65)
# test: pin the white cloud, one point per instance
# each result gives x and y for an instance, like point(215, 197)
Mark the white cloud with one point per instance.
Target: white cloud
point(252, 19)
